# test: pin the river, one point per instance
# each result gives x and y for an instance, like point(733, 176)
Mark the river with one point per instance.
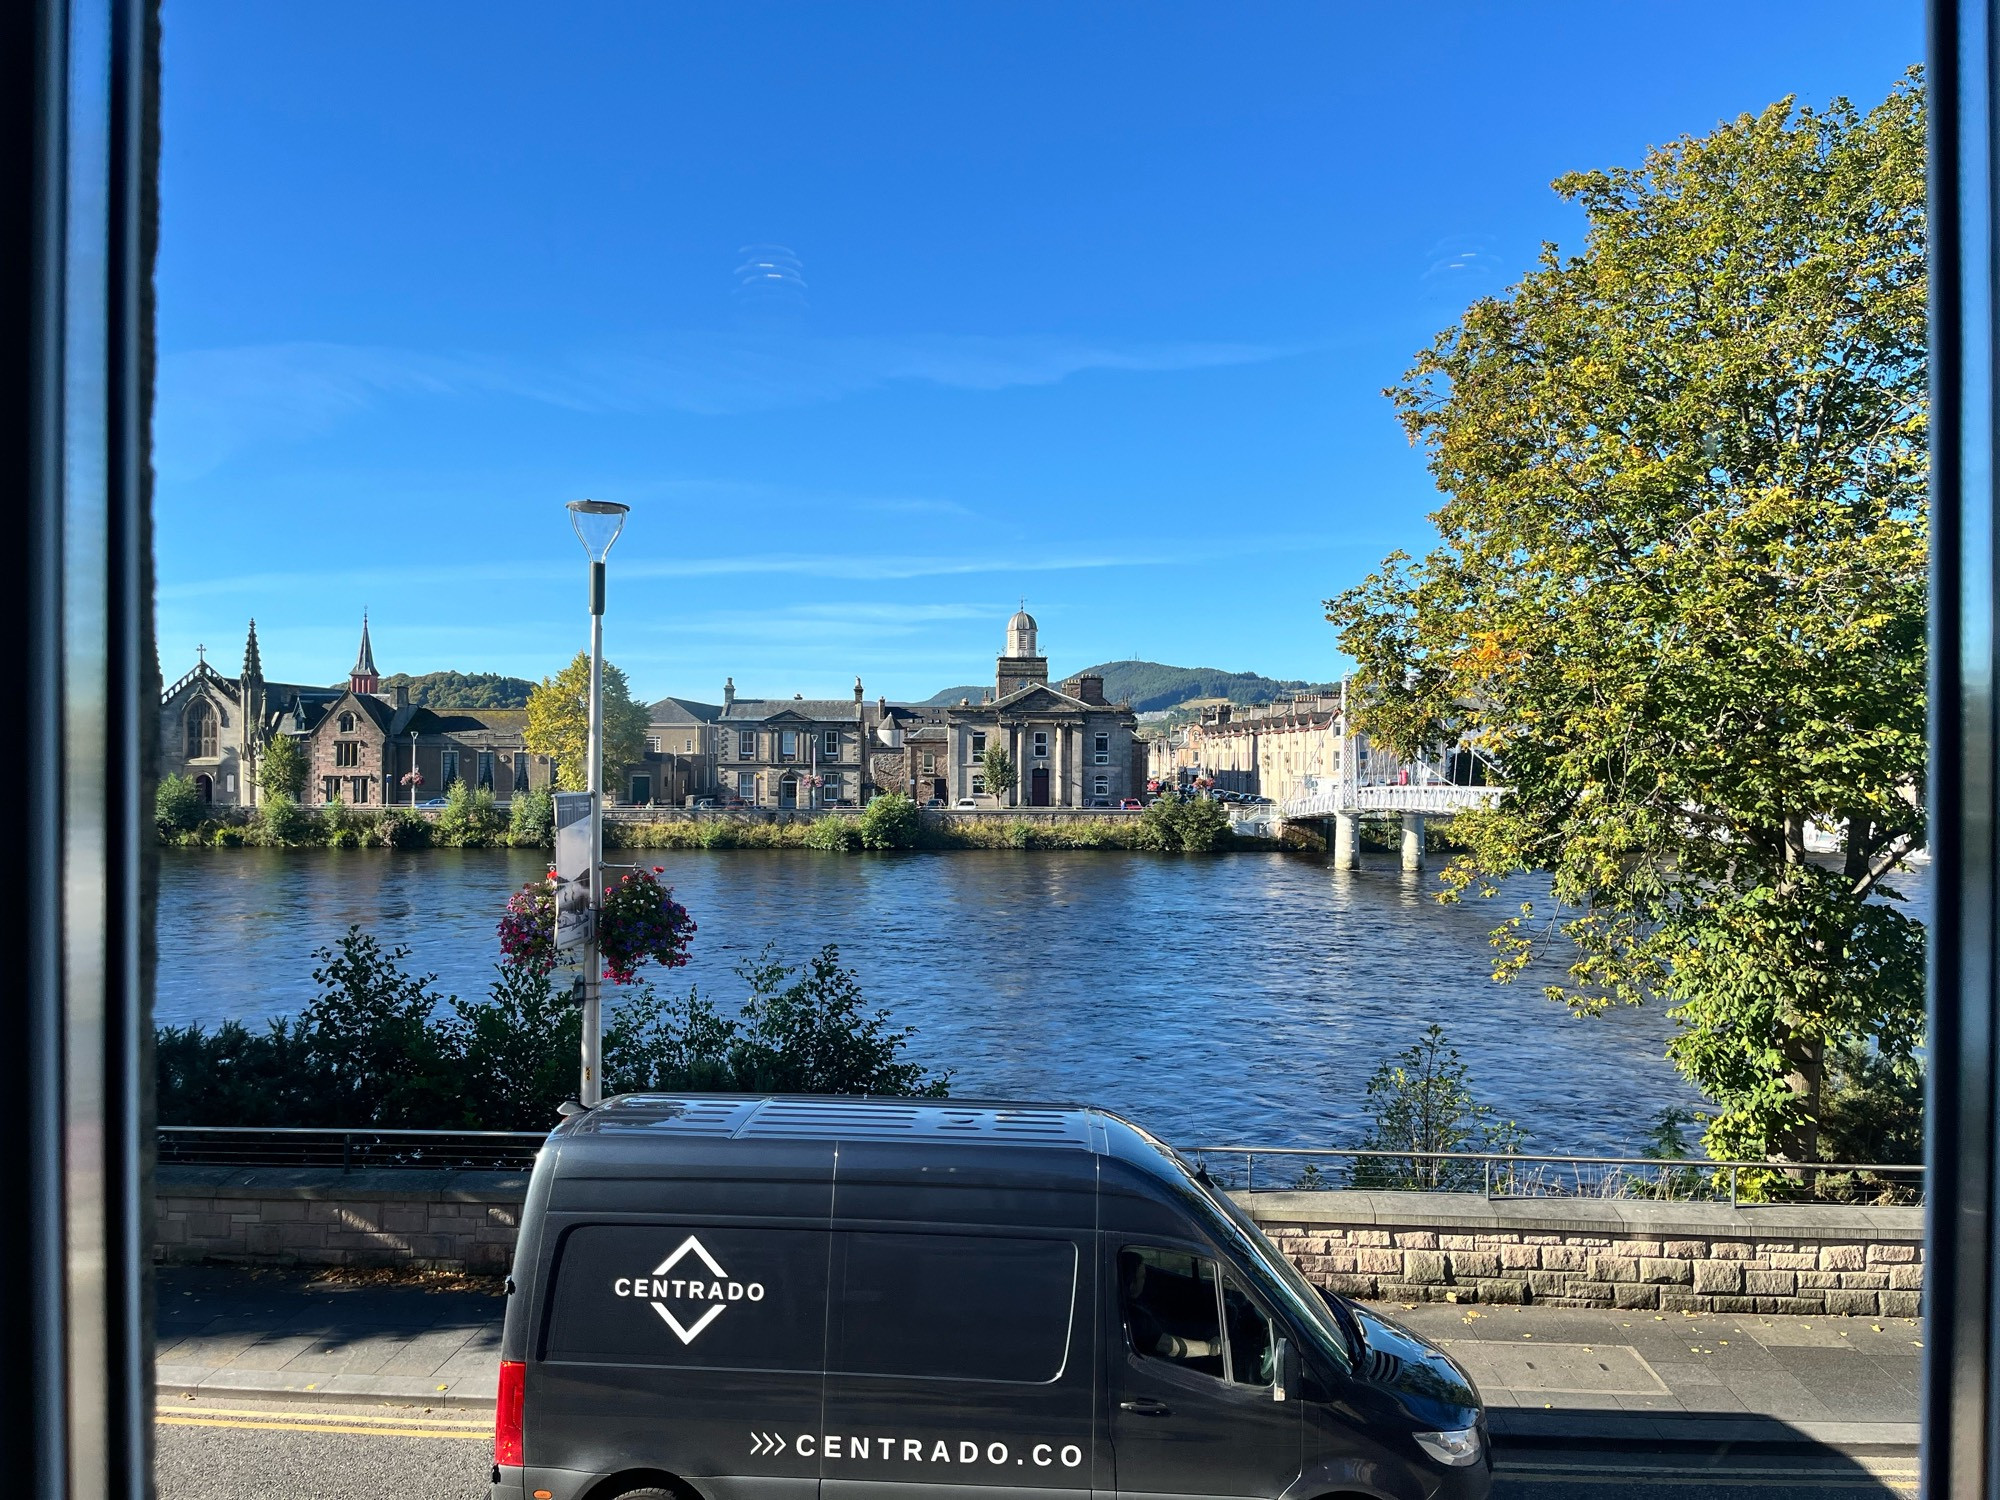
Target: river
point(1246, 997)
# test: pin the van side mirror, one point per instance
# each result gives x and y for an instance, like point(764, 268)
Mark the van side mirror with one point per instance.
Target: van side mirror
point(1285, 1369)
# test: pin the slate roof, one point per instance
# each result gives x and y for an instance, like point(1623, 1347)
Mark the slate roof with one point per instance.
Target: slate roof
point(681, 711)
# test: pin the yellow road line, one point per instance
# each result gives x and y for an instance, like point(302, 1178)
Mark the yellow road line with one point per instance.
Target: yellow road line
point(237, 1422)
point(1854, 1469)
point(266, 1414)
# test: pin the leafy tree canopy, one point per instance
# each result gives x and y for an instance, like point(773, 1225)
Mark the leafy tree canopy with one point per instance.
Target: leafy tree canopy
point(559, 722)
point(461, 689)
point(1680, 597)
point(281, 769)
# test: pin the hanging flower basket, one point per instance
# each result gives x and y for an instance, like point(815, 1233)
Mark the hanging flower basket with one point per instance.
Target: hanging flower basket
point(639, 922)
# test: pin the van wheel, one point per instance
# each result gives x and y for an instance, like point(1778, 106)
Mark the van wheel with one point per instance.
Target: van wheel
point(648, 1492)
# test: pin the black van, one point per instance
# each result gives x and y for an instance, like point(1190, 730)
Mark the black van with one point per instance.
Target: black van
point(737, 1298)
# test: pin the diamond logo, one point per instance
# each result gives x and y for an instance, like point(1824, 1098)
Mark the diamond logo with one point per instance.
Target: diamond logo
point(698, 1299)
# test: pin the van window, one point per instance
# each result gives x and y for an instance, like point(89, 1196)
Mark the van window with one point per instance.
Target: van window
point(662, 1294)
point(1248, 1333)
point(1170, 1307)
point(954, 1307)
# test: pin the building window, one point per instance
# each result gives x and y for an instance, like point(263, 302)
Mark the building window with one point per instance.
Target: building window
point(930, 763)
point(788, 744)
point(486, 769)
point(746, 785)
point(347, 723)
point(978, 742)
point(449, 770)
point(978, 783)
point(329, 789)
point(359, 788)
point(1102, 788)
point(521, 773)
point(830, 793)
point(347, 752)
point(1103, 750)
point(652, 744)
point(830, 744)
point(1041, 744)
point(690, 747)
point(200, 731)
point(746, 744)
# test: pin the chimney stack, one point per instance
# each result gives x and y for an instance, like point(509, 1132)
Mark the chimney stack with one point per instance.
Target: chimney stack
point(402, 691)
point(728, 694)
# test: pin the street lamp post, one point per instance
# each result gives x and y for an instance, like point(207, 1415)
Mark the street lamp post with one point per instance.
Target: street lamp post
point(597, 524)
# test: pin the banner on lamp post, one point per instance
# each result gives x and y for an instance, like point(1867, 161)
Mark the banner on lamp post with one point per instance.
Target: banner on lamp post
point(574, 913)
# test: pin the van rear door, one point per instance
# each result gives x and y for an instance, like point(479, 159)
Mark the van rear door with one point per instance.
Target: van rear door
point(1191, 1357)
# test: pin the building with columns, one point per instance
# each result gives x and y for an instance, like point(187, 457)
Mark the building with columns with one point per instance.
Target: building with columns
point(1070, 747)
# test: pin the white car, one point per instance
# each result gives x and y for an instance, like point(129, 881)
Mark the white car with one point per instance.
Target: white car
point(966, 802)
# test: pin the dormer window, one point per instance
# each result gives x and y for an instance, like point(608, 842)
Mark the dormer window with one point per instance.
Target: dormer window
point(347, 723)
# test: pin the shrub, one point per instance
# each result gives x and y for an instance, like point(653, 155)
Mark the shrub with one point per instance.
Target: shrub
point(177, 805)
point(402, 828)
point(1196, 826)
point(469, 818)
point(280, 823)
point(891, 821)
point(1422, 1101)
point(834, 833)
point(531, 819)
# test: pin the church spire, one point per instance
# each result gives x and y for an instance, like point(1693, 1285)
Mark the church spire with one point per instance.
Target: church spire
point(253, 661)
point(364, 678)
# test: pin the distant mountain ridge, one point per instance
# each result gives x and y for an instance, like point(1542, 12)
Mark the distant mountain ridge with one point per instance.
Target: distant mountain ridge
point(461, 689)
point(1150, 685)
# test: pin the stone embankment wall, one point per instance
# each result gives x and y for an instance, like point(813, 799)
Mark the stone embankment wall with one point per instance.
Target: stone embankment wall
point(1409, 1247)
point(1593, 1252)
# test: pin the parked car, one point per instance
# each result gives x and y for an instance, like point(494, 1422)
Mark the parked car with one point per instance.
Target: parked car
point(1008, 1295)
point(966, 802)
point(701, 803)
point(432, 802)
point(1130, 804)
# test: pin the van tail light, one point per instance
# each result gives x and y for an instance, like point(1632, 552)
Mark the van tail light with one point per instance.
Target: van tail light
point(508, 1411)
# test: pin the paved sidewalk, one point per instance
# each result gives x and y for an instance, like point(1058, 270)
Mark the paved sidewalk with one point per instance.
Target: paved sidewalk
point(1548, 1374)
point(227, 1332)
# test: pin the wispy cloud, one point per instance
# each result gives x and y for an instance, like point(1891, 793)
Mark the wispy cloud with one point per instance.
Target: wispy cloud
point(215, 402)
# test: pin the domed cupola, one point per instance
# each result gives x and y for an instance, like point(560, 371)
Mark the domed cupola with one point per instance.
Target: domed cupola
point(1021, 634)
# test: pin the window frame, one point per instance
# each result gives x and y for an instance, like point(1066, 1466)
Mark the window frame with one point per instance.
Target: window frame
point(1225, 1274)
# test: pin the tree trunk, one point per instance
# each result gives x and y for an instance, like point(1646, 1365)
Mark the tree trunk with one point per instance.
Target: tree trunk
point(1806, 1078)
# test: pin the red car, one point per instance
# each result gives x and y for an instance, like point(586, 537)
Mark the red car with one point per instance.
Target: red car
point(1130, 804)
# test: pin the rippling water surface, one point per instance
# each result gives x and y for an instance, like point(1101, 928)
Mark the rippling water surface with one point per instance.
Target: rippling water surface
point(1246, 997)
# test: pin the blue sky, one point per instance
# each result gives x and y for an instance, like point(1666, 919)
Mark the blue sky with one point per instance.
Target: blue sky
point(1088, 304)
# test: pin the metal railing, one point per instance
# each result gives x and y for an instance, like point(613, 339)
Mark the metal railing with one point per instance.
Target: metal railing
point(1496, 1174)
point(350, 1150)
point(1522, 1175)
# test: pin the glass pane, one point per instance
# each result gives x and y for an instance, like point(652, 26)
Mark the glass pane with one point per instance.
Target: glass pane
point(1250, 1346)
point(1171, 1309)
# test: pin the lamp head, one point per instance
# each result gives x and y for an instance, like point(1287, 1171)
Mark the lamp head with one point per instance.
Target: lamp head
point(597, 524)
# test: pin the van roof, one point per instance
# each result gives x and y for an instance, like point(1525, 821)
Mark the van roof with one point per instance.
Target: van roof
point(852, 1118)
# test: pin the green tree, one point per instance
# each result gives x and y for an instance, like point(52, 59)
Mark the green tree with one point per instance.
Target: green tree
point(806, 1032)
point(998, 767)
point(1680, 598)
point(559, 722)
point(281, 768)
point(469, 818)
point(177, 806)
point(531, 819)
point(1196, 826)
point(376, 1042)
point(1421, 1101)
point(890, 821)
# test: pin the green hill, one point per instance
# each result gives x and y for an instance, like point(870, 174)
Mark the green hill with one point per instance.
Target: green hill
point(461, 689)
point(1151, 685)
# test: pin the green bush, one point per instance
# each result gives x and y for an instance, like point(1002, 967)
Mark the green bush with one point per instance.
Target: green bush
point(1171, 826)
point(1421, 1101)
point(282, 768)
point(531, 819)
point(177, 805)
point(469, 818)
point(891, 821)
point(403, 828)
point(378, 1046)
point(280, 823)
point(834, 833)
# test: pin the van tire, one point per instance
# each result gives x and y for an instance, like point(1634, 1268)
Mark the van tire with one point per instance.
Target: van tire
point(648, 1492)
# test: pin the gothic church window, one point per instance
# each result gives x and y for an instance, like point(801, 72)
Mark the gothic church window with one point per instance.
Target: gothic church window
point(347, 723)
point(200, 731)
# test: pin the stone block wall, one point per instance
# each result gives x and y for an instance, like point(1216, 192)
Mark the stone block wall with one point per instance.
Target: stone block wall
point(1668, 1257)
point(1408, 1247)
point(441, 1221)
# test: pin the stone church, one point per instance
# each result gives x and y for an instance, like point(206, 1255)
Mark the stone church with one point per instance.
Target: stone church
point(361, 746)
